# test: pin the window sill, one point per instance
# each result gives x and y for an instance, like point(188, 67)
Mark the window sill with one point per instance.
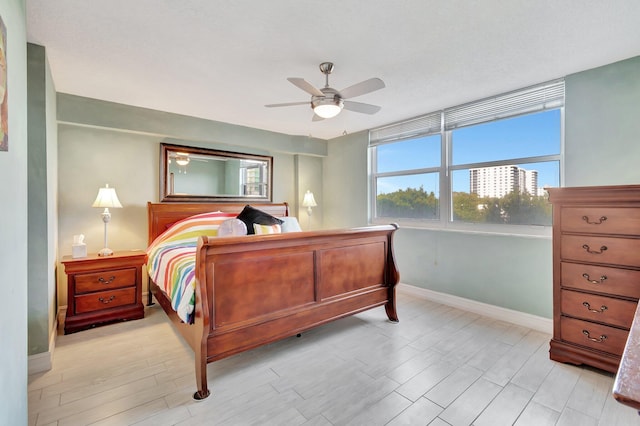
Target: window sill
point(525, 231)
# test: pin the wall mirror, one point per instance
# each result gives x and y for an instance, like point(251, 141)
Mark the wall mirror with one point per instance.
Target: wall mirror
point(190, 174)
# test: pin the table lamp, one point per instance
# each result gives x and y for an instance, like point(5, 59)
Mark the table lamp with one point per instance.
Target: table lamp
point(106, 198)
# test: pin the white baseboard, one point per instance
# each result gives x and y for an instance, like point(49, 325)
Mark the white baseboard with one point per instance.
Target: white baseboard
point(43, 361)
point(534, 322)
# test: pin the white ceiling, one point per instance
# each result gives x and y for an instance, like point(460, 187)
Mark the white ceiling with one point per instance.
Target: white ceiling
point(224, 60)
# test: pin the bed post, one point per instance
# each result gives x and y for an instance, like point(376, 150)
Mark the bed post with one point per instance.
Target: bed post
point(201, 322)
point(393, 276)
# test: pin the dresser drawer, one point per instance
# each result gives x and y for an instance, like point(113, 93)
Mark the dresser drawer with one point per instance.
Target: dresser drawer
point(596, 249)
point(105, 300)
point(105, 280)
point(601, 279)
point(594, 336)
point(601, 220)
point(598, 308)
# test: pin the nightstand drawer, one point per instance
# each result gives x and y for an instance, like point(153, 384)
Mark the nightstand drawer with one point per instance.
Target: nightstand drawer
point(105, 280)
point(601, 279)
point(105, 300)
point(594, 336)
point(598, 308)
point(600, 220)
point(596, 249)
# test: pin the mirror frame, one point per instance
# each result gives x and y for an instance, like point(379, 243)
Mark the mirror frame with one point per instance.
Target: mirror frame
point(166, 149)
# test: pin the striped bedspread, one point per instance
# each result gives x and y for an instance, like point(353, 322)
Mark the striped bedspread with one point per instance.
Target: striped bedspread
point(171, 259)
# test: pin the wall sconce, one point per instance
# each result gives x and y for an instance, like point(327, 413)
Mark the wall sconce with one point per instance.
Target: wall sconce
point(308, 201)
point(106, 198)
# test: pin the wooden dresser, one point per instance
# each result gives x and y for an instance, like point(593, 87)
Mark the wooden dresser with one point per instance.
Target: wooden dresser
point(596, 272)
point(102, 290)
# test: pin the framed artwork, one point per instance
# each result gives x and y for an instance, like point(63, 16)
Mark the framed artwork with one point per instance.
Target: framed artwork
point(4, 124)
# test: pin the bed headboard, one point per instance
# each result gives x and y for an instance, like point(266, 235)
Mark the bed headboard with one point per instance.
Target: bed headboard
point(163, 215)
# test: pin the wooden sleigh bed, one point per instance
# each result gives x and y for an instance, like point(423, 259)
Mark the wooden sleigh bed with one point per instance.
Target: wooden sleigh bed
point(256, 289)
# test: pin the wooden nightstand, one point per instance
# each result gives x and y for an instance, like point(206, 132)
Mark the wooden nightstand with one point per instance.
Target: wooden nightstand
point(102, 290)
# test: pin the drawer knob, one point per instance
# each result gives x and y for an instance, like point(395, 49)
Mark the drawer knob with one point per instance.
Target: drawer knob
point(588, 249)
point(600, 339)
point(107, 281)
point(602, 219)
point(107, 301)
point(597, 311)
point(600, 281)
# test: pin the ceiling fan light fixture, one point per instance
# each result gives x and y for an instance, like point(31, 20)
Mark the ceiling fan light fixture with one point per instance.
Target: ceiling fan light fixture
point(327, 108)
point(182, 159)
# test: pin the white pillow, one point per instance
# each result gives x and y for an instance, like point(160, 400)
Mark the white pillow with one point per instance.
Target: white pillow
point(290, 224)
point(232, 227)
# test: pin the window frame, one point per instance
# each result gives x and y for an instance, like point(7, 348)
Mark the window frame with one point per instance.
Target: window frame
point(446, 169)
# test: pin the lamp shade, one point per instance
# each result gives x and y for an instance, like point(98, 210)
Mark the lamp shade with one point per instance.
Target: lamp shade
point(107, 198)
point(308, 200)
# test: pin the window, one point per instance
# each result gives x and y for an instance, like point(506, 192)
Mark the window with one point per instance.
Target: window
point(486, 162)
point(407, 183)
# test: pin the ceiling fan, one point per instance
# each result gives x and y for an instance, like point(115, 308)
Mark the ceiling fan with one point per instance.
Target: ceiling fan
point(328, 102)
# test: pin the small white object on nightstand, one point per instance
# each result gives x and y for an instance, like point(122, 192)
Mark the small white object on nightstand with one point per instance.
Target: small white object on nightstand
point(78, 248)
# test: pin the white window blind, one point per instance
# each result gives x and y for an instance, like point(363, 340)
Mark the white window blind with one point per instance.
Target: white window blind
point(528, 100)
point(424, 125)
point(523, 101)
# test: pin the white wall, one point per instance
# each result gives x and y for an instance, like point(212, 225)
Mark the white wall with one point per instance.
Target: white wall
point(13, 224)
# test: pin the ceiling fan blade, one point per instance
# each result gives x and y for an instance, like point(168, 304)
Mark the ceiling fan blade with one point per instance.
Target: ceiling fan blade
point(287, 104)
point(316, 117)
point(362, 88)
point(360, 107)
point(306, 86)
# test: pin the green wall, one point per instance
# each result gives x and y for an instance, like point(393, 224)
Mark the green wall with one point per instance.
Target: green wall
point(102, 142)
point(13, 224)
point(512, 271)
point(603, 125)
point(346, 181)
point(42, 217)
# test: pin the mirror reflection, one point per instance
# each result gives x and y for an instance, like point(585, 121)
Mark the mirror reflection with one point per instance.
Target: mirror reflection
point(200, 174)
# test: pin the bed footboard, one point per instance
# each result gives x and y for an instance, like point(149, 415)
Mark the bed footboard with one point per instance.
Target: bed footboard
point(255, 290)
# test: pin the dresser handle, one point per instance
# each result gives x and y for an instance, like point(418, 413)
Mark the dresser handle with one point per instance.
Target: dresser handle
point(602, 219)
point(107, 282)
point(597, 311)
point(602, 279)
point(109, 300)
point(602, 249)
point(600, 339)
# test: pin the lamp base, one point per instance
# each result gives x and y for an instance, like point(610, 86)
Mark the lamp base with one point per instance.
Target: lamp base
point(105, 252)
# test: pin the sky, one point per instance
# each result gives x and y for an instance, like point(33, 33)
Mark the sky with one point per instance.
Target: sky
point(517, 137)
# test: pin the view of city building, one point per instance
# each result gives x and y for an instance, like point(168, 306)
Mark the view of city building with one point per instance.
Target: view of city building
point(498, 181)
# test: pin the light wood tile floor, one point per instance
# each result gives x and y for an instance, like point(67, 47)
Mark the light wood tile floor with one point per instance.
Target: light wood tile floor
point(438, 366)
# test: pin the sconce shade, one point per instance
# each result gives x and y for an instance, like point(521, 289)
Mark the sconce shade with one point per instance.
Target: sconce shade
point(308, 200)
point(107, 198)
